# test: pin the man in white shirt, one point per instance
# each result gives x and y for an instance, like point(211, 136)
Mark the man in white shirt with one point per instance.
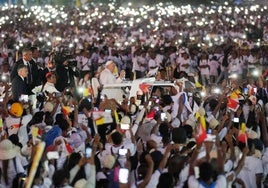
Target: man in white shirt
point(107, 77)
point(235, 66)
point(152, 62)
point(252, 171)
point(184, 62)
point(140, 64)
point(85, 62)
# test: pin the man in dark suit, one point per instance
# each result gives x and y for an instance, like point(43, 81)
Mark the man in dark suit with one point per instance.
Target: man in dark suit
point(36, 73)
point(65, 75)
point(26, 60)
point(19, 86)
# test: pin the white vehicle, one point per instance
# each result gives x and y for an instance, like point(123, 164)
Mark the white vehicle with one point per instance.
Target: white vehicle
point(129, 89)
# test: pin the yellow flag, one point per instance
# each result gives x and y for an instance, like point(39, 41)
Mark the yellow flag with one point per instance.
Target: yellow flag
point(235, 94)
point(203, 122)
point(100, 121)
point(116, 117)
point(198, 85)
point(197, 115)
point(1, 122)
point(35, 131)
point(243, 128)
point(85, 92)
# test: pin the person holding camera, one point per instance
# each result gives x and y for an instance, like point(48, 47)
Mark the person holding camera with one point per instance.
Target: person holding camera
point(65, 75)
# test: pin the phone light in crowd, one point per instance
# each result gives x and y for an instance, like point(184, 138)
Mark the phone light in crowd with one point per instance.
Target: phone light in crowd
point(123, 152)
point(234, 76)
point(88, 152)
point(123, 175)
point(80, 90)
point(58, 38)
point(3, 77)
point(255, 73)
point(203, 94)
point(124, 126)
point(216, 90)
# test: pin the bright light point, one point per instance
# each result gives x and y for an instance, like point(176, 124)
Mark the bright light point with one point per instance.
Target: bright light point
point(234, 76)
point(80, 90)
point(4, 77)
point(58, 38)
point(255, 73)
point(203, 94)
point(217, 91)
point(199, 10)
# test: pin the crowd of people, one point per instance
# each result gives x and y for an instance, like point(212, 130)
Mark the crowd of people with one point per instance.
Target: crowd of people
point(209, 133)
